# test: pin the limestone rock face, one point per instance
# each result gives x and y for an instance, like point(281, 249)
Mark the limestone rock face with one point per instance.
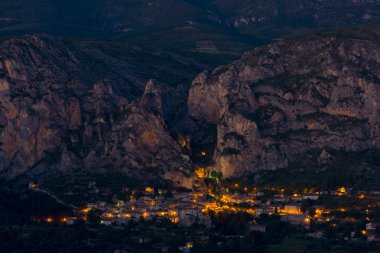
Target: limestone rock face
point(219, 95)
point(288, 98)
point(140, 138)
point(60, 109)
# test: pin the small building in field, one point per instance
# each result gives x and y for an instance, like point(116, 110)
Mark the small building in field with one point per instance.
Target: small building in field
point(372, 226)
point(253, 227)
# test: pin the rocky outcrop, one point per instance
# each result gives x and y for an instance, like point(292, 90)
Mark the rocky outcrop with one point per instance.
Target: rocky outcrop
point(285, 99)
point(61, 109)
point(219, 96)
point(140, 140)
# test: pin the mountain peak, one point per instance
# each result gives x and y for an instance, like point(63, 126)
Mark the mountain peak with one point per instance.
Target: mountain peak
point(151, 100)
point(151, 88)
point(301, 98)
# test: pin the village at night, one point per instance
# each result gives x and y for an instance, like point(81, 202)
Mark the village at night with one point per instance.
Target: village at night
point(189, 126)
point(223, 212)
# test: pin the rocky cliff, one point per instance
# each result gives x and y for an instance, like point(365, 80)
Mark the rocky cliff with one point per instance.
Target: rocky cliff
point(282, 100)
point(61, 109)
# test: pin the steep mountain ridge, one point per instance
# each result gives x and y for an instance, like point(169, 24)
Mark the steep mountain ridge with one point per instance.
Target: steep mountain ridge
point(285, 99)
point(61, 109)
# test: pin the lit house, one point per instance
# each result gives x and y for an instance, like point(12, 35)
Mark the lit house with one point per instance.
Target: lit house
point(298, 220)
point(372, 236)
point(189, 217)
point(372, 226)
point(310, 197)
point(201, 172)
point(294, 209)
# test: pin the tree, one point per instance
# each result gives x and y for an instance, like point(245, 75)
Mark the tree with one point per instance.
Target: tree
point(312, 212)
point(377, 230)
point(94, 216)
point(215, 175)
point(306, 204)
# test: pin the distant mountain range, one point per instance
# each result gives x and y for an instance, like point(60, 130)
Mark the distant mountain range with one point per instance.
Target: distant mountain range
point(220, 28)
point(247, 16)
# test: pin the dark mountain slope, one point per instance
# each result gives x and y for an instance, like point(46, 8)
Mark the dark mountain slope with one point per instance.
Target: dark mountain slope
point(214, 31)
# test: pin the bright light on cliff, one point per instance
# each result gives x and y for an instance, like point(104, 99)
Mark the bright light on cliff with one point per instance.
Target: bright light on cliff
point(201, 172)
point(149, 189)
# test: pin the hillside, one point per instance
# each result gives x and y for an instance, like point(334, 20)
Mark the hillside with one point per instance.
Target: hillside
point(64, 109)
point(214, 31)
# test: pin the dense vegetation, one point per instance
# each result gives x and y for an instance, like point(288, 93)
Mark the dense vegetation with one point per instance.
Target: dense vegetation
point(358, 170)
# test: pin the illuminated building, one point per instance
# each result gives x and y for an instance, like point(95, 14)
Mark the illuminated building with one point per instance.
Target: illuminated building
point(292, 209)
point(149, 189)
point(201, 172)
